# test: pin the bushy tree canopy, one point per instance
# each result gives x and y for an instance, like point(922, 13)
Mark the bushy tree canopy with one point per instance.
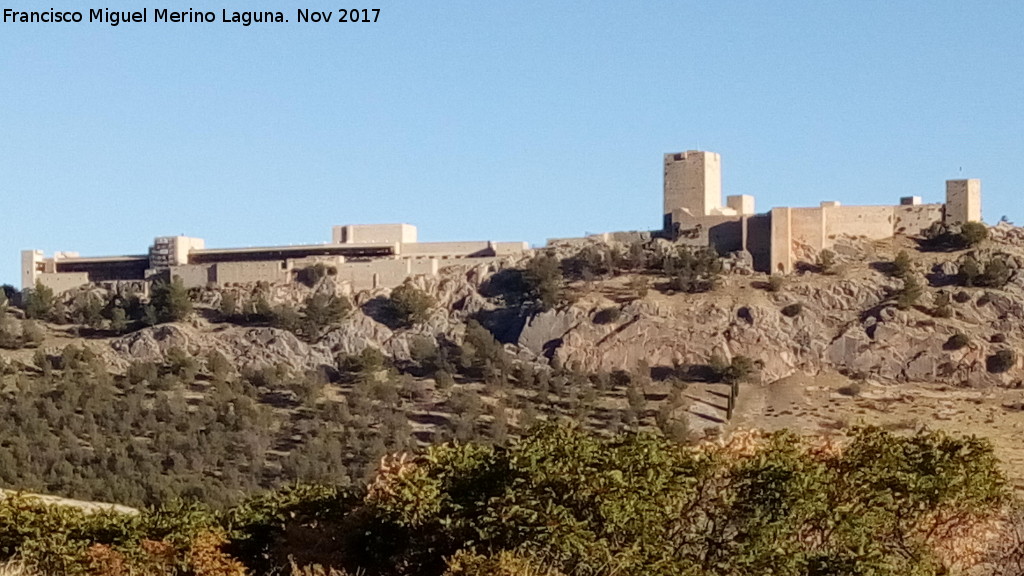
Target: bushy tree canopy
point(170, 301)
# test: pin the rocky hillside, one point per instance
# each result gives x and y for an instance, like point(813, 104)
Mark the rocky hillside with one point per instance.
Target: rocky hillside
point(614, 336)
point(846, 321)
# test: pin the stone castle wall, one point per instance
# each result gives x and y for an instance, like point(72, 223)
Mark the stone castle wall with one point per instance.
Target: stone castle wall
point(692, 205)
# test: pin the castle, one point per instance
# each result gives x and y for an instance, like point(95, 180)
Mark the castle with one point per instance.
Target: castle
point(693, 212)
point(384, 255)
point(359, 256)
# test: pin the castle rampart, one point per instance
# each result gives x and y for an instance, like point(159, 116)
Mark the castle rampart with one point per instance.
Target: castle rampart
point(692, 193)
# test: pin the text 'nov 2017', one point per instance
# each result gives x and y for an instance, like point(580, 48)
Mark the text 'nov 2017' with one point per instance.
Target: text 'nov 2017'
point(163, 15)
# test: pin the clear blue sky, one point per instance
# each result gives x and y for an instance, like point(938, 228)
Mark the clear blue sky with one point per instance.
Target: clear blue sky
point(492, 120)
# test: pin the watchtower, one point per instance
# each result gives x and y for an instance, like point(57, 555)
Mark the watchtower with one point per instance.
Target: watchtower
point(693, 182)
point(963, 201)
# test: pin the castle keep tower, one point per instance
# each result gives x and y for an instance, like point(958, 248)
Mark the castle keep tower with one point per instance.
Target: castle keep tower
point(963, 201)
point(693, 182)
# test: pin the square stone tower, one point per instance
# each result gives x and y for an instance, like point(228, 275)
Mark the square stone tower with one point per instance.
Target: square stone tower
point(963, 201)
point(693, 182)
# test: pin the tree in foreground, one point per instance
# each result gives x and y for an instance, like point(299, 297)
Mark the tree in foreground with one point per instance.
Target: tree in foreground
point(562, 501)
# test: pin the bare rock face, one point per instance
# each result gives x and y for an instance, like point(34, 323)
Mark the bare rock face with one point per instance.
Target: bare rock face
point(740, 262)
point(152, 344)
point(1007, 233)
point(703, 325)
point(256, 348)
point(545, 331)
point(259, 347)
point(247, 348)
point(355, 334)
point(849, 326)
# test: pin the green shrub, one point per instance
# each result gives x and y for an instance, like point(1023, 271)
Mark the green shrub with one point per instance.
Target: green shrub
point(285, 317)
point(443, 380)
point(181, 364)
point(423, 351)
point(993, 273)
point(170, 300)
point(941, 236)
point(139, 371)
point(562, 501)
point(408, 305)
point(228, 305)
point(996, 274)
point(481, 354)
point(1002, 361)
point(55, 539)
point(10, 335)
point(312, 275)
point(792, 310)
point(590, 262)
point(693, 270)
point(503, 563)
point(738, 369)
point(15, 334)
point(909, 293)
point(543, 278)
point(368, 361)
point(639, 505)
point(970, 270)
point(218, 366)
point(118, 320)
point(973, 233)
point(902, 265)
point(40, 302)
point(32, 334)
point(943, 306)
point(87, 309)
point(826, 262)
point(852, 389)
point(957, 341)
point(259, 308)
point(321, 311)
point(608, 315)
point(676, 428)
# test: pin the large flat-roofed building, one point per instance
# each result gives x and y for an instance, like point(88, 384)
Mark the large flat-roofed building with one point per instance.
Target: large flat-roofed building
point(363, 256)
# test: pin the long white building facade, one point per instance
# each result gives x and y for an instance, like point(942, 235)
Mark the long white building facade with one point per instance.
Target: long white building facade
point(364, 256)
